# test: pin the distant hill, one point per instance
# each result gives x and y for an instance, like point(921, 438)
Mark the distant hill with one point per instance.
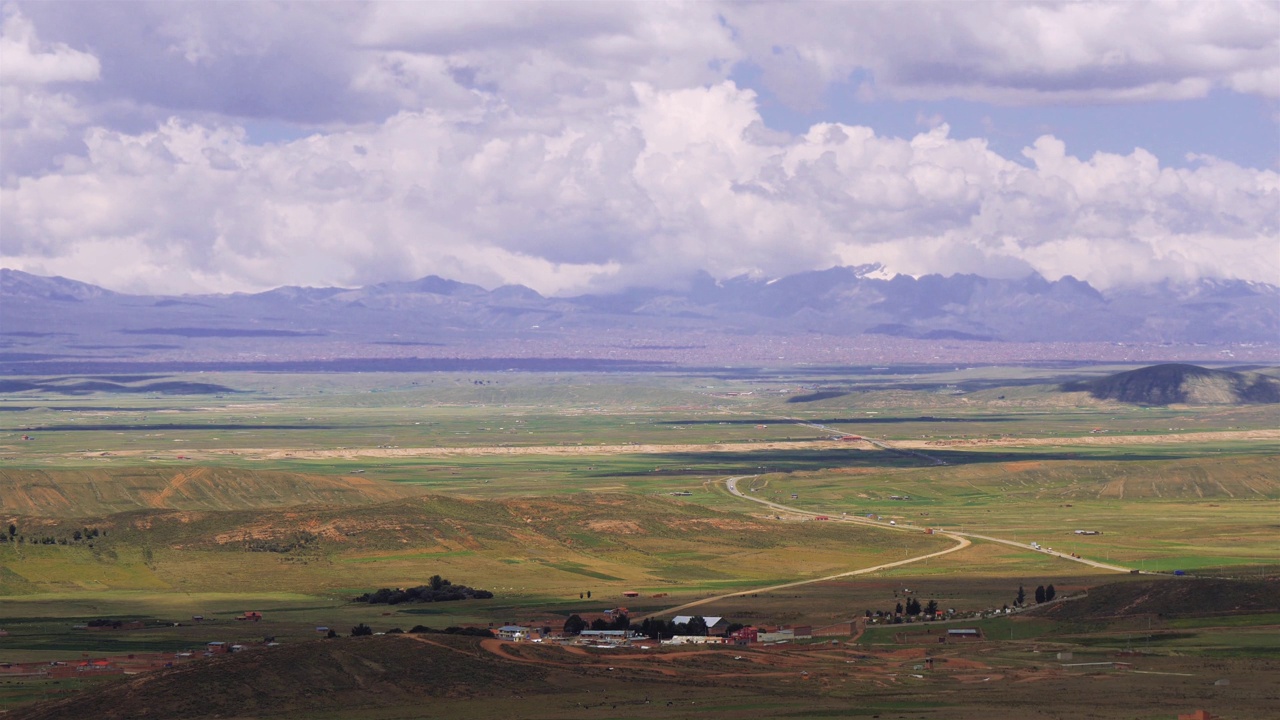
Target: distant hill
point(53, 322)
point(306, 679)
point(1182, 596)
point(86, 493)
point(1180, 383)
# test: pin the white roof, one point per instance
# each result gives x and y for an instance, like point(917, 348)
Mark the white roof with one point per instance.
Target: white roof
point(710, 620)
point(513, 628)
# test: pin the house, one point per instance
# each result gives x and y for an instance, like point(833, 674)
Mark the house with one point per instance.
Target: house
point(744, 636)
point(693, 640)
point(607, 637)
point(250, 615)
point(630, 594)
point(514, 633)
point(1197, 715)
point(964, 634)
point(776, 636)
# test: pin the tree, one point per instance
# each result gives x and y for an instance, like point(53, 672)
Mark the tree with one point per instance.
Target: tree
point(332, 634)
point(13, 529)
point(931, 609)
point(574, 625)
point(1039, 593)
point(897, 610)
point(1049, 593)
point(1022, 597)
point(599, 624)
point(696, 626)
point(913, 606)
point(588, 594)
point(361, 629)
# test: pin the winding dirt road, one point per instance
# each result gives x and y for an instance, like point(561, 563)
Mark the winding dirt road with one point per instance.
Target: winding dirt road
point(731, 485)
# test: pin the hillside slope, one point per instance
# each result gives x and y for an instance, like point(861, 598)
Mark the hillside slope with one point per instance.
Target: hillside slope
point(556, 546)
point(88, 493)
point(1180, 383)
point(1180, 597)
point(301, 679)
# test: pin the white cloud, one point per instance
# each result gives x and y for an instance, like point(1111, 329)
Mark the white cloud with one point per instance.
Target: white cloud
point(1014, 53)
point(676, 183)
point(566, 145)
point(24, 60)
point(39, 115)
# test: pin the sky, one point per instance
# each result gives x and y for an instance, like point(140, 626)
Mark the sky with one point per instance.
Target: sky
point(189, 147)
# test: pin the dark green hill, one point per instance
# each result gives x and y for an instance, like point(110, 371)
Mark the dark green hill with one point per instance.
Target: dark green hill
point(306, 679)
point(1174, 596)
point(1181, 383)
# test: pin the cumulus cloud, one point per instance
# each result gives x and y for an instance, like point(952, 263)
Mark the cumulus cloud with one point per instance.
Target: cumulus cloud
point(37, 116)
point(570, 146)
point(1014, 53)
point(24, 60)
point(676, 183)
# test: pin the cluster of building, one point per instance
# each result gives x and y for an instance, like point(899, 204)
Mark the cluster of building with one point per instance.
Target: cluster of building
point(717, 633)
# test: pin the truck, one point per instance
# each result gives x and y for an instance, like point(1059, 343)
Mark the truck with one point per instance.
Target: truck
point(1035, 546)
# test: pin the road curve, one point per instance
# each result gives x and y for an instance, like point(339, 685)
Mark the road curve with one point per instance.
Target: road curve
point(731, 483)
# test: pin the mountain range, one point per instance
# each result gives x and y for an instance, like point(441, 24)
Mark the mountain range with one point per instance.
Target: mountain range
point(46, 318)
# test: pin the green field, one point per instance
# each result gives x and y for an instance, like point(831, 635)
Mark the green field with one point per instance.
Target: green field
point(291, 494)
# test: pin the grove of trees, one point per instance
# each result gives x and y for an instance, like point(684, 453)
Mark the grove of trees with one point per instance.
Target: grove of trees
point(437, 589)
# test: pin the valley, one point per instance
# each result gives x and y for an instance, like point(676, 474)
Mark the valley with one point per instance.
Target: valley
point(772, 499)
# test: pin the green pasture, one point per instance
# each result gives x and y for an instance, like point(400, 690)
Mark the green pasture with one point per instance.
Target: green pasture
point(531, 527)
point(326, 411)
point(1157, 508)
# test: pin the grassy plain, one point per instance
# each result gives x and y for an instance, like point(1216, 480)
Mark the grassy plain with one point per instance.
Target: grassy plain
point(288, 494)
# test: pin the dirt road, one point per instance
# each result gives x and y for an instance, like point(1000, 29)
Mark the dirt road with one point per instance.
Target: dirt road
point(732, 485)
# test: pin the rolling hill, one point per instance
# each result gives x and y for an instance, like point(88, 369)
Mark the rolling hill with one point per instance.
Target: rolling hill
point(1180, 383)
point(554, 545)
point(1182, 597)
point(87, 493)
point(304, 679)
